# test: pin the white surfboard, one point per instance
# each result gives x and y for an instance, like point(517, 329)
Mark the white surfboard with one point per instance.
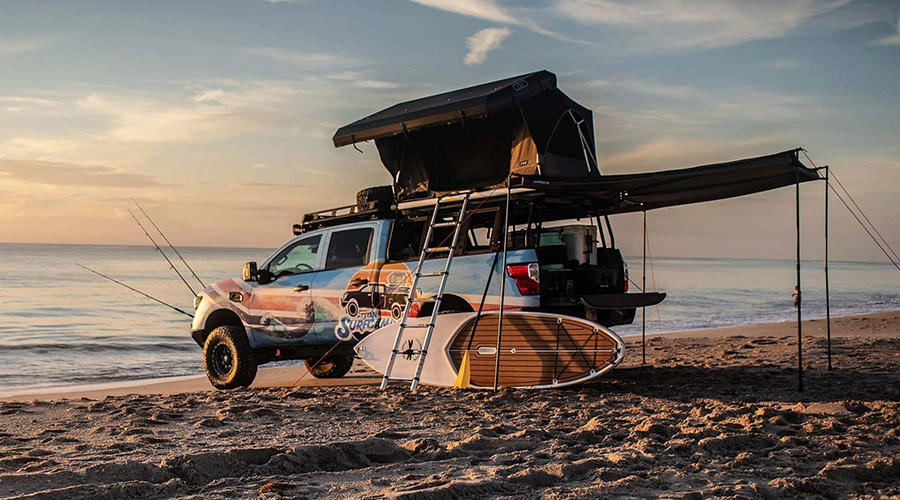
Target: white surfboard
point(537, 350)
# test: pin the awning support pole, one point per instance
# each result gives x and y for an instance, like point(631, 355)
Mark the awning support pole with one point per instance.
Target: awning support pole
point(827, 292)
point(502, 288)
point(644, 290)
point(799, 292)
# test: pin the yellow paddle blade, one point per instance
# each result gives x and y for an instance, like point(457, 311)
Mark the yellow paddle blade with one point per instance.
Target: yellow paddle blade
point(462, 379)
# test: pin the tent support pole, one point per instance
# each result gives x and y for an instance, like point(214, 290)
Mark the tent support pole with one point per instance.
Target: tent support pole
point(827, 292)
point(644, 290)
point(799, 291)
point(502, 288)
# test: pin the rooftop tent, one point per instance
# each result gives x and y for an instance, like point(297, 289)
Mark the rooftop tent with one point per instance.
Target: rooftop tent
point(477, 136)
point(616, 194)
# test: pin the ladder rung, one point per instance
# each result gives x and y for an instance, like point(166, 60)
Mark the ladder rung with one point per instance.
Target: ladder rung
point(437, 249)
point(432, 275)
point(425, 299)
point(445, 224)
point(418, 325)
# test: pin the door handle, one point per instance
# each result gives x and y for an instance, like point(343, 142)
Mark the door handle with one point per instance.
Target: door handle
point(301, 288)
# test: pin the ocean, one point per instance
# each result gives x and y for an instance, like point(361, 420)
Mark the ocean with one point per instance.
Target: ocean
point(61, 325)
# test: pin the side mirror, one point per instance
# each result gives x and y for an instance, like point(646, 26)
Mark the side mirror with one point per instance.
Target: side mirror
point(251, 273)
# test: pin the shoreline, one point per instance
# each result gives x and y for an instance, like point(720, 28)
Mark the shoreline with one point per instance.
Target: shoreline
point(285, 376)
point(712, 414)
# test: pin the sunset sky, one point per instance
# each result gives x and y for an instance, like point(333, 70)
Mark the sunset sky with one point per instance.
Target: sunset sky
point(218, 115)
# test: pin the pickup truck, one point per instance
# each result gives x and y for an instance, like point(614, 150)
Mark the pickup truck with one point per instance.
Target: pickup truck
point(325, 289)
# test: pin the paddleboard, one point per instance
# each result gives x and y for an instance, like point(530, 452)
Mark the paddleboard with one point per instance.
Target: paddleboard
point(537, 350)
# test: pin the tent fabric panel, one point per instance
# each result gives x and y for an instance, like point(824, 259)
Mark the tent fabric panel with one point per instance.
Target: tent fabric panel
point(448, 158)
point(524, 158)
point(552, 123)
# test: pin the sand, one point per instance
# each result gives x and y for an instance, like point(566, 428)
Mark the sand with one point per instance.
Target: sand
point(714, 414)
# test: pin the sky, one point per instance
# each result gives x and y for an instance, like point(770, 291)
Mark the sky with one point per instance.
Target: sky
point(217, 115)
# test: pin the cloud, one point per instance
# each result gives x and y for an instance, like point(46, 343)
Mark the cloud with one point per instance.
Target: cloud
point(483, 42)
point(226, 110)
point(663, 25)
point(669, 153)
point(291, 57)
point(375, 84)
point(890, 40)
point(10, 48)
point(69, 174)
point(345, 75)
point(359, 80)
point(28, 146)
point(782, 64)
point(480, 9)
point(646, 87)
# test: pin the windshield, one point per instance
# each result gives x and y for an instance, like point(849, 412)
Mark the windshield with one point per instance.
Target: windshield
point(297, 258)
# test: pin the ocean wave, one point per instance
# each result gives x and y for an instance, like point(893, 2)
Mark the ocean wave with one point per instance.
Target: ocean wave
point(97, 347)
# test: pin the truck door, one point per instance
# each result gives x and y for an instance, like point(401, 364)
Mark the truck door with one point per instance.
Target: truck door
point(346, 290)
point(283, 308)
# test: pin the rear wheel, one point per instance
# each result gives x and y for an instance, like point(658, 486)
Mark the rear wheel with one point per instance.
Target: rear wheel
point(228, 359)
point(330, 367)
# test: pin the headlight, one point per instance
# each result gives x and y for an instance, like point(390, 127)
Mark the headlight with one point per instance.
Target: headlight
point(197, 301)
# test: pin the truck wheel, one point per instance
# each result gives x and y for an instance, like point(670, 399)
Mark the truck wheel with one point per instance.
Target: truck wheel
point(396, 311)
point(228, 359)
point(330, 367)
point(353, 307)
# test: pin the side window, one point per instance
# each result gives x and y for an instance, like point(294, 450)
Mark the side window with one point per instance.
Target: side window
point(406, 237)
point(484, 229)
point(349, 248)
point(297, 258)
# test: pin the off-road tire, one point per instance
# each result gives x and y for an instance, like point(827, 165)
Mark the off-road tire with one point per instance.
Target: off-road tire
point(228, 359)
point(330, 367)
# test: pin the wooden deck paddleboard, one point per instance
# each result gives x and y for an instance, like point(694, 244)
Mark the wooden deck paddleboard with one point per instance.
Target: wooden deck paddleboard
point(537, 350)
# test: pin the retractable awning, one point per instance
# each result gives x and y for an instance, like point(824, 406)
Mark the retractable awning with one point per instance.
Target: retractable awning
point(616, 194)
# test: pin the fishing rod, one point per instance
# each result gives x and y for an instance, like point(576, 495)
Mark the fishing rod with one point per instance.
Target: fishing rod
point(163, 253)
point(135, 290)
point(169, 243)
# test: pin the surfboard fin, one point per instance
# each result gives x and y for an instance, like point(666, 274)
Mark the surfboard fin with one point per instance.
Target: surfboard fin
point(462, 378)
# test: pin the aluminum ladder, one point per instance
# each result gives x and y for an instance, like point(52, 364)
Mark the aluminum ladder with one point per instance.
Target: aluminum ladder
point(435, 222)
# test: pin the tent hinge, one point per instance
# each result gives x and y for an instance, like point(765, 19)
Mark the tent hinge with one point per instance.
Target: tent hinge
point(462, 120)
point(406, 133)
point(352, 138)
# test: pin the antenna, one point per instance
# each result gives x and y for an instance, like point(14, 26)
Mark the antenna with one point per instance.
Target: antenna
point(169, 243)
point(163, 253)
point(134, 290)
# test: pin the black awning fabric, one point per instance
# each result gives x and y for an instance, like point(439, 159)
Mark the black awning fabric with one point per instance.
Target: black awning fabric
point(469, 103)
point(616, 194)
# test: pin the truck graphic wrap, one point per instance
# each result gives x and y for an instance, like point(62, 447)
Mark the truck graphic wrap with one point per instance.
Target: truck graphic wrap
point(375, 297)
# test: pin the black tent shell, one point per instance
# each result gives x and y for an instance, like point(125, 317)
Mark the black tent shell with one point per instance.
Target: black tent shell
point(472, 102)
point(476, 137)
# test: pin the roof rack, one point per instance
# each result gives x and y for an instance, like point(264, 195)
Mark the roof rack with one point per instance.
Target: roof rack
point(375, 211)
point(339, 215)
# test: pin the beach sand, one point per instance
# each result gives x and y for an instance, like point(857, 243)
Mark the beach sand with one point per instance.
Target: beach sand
point(713, 414)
